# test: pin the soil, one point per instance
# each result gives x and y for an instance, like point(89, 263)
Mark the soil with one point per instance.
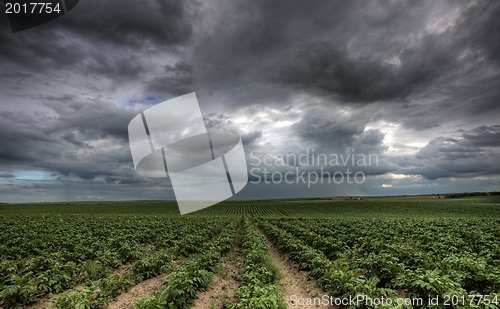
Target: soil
point(296, 285)
point(140, 290)
point(45, 301)
point(224, 283)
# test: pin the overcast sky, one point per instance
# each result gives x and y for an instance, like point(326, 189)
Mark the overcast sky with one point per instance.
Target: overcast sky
point(416, 83)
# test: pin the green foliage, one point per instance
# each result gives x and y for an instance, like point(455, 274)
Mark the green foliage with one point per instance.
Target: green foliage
point(381, 257)
point(18, 293)
point(102, 291)
point(50, 254)
point(260, 280)
point(374, 247)
point(183, 284)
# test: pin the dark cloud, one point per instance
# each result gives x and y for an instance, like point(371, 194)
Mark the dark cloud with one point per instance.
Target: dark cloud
point(20, 143)
point(38, 50)
point(102, 65)
point(422, 119)
point(100, 38)
point(334, 76)
point(176, 80)
point(326, 66)
point(481, 28)
point(332, 126)
point(483, 136)
point(356, 50)
point(84, 139)
point(95, 119)
point(133, 23)
point(251, 137)
point(471, 154)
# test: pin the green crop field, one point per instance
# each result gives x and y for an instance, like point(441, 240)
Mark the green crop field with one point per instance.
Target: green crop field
point(91, 255)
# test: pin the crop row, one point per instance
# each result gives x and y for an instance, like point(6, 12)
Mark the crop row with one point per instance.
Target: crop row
point(58, 268)
point(180, 289)
point(337, 281)
point(103, 291)
point(260, 281)
point(242, 210)
point(350, 257)
point(461, 251)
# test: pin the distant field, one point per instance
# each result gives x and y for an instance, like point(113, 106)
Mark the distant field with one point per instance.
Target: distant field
point(394, 207)
point(411, 206)
point(245, 254)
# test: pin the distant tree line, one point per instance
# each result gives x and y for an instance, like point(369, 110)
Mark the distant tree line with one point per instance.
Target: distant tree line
point(469, 194)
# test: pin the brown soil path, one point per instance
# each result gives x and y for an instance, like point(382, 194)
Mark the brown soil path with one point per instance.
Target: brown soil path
point(143, 289)
point(224, 283)
point(140, 290)
point(296, 284)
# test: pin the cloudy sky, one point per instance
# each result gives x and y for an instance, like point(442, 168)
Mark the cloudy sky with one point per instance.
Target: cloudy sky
point(416, 83)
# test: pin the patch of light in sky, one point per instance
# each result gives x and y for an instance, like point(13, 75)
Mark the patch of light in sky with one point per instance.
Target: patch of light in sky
point(32, 175)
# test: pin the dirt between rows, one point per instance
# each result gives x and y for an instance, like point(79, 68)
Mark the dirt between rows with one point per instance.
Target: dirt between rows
point(224, 283)
point(45, 302)
point(143, 289)
point(296, 285)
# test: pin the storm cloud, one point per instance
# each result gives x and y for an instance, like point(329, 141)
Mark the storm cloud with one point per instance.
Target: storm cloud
point(415, 83)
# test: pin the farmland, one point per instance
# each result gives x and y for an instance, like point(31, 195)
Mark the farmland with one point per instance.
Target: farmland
point(92, 255)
